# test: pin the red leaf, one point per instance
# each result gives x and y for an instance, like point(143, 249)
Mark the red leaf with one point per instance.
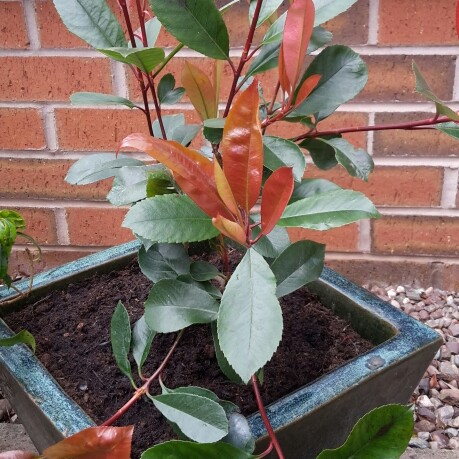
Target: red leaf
point(230, 229)
point(18, 455)
point(192, 171)
point(94, 443)
point(297, 34)
point(242, 148)
point(224, 191)
point(276, 194)
point(200, 91)
point(306, 88)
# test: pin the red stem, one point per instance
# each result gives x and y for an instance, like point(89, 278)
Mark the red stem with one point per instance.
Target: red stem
point(264, 417)
point(141, 15)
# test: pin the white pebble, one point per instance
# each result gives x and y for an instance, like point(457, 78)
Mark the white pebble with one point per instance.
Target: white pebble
point(395, 303)
point(391, 293)
point(400, 289)
point(406, 300)
point(449, 300)
point(429, 291)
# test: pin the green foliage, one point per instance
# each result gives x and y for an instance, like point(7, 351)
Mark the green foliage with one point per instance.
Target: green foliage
point(328, 9)
point(268, 8)
point(96, 98)
point(176, 129)
point(167, 92)
point(311, 187)
point(142, 339)
point(22, 337)
point(451, 129)
point(203, 271)
point(145, 59)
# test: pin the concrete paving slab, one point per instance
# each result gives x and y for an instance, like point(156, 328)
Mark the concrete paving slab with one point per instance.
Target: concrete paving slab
point(14, 437)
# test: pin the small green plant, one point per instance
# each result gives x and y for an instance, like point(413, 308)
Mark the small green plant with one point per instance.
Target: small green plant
point(241, 188)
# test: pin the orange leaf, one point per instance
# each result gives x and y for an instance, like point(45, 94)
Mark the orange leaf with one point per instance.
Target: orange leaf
point(192, 171)
point(283, 79)
point(200, 91)
point(242, 148)
point(306, 88)
point(230, 229)
point(224, 191)
point(297, 34)
point(94, 443)
point(276, 194)
point(18, 455)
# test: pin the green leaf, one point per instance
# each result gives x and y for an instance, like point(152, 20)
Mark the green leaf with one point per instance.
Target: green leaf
point(423, 88)
point(356, 161)
point(271, 245)
point(176, 129)
point(207, 286)
point(199, 418)
point(23, 337)
point(91, 20)
point(383, 433)
point(152, 29)
point(164, 261)
point(166, 92)
point(96, 98)
point(267, 59)
point(92, 168)
point(213, 129)
point(298, 265)
point(320, 37)
point(142, 337)
point(276, 31)
point(239, 433)
point(173, 305)
point(328, 210)
point(311, 187)
point(203, 271)
point(451, 129)
point(146, 59)
point(268, 8)
point(120, 334)
point(328, 9)
point(178, 449)
point(14, 217)
point(198, 25)
point(170, 218)
point(322, 154)
point(343, 76)
point(250, 317)
point(280, 152)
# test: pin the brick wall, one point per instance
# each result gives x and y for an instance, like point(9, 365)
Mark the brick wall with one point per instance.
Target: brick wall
point(415, 183)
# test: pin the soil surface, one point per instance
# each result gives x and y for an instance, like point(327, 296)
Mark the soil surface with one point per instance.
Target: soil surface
point(73, 341)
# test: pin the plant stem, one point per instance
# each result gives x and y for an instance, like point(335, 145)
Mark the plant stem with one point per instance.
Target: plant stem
point(141, 15)
point(151, 83)
point(144, 388)
point(264, 417)
point(168, 58)
point(380, 127)
point(244, 57)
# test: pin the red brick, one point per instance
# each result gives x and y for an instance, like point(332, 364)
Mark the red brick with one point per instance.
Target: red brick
point(39, 178)
point(411, 143)
point(412, 22)
point(52, 78)
point(351, 27)
point(13, 33)
point(40, 224)
point(416, 235)
point(21, 129)
point(390, 78)
point(343, 239)
point(410, 186)
point(97, 227)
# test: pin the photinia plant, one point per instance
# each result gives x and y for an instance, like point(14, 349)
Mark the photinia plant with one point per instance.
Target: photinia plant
point(228, 180)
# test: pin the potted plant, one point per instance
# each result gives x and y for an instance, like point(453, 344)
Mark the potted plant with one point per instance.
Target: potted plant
point(242, 189)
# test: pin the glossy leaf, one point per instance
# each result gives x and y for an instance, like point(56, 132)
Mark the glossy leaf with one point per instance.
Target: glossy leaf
point(203, 285)
point(169, 218)
point(164, 261)
point(328, 9)
point(94, 442)
point(192, 171)
point(22, 337)
point(266, 60)
point(343, 76)
point(423, 88)
point(173, 305)
point(200, 90)
point(242, 148)
point(250, 319)
point(301, 263)
point(280, 152)
point(306, 88)
point(146, 59)
point(271, 245)
point(142, 338)
point(167, 93)
point(297, 33)
point(328, 210)
point(18, 455)
point(268, 8)
point(311, 187)
point(275, 197)
point(152, 29)
point(178, 449)
point(231, 229)
point(91, 20)
point(129, 185)
point(198, 25)
point(276, 30)
point(383, 433)
point(120, 335)
point(356, 161)
point(92, 168)
point(199, 418)
point(320, 37)
point(176, 129)
point(322, 153)
point(203, 271)
point(451, 129)
point(213, 129)
point(96, 98)
point(225, 192)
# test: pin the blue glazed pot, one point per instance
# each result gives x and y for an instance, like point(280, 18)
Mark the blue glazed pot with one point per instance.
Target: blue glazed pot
point(320, 415)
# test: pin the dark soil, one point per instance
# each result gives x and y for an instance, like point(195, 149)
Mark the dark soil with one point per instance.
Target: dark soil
point(72, 332)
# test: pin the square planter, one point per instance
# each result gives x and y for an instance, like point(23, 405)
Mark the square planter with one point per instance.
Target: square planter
point(316, 416)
